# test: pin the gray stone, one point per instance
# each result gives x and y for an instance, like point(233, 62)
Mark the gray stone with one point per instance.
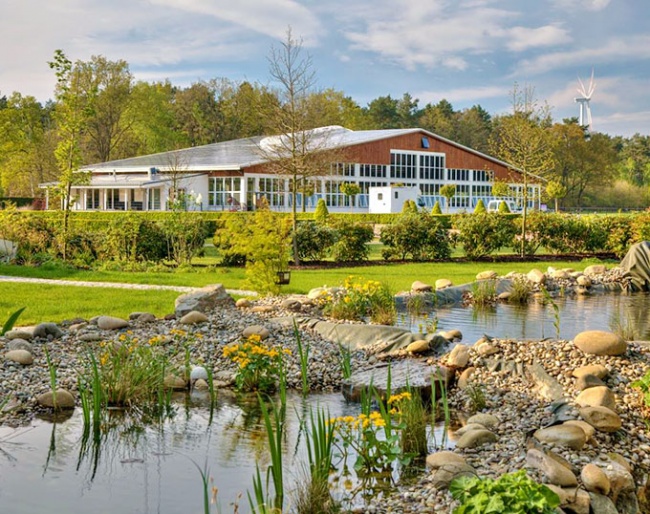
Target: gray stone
point(64, 399)
point(583, 281)
point(595, 479)
point(441, 458)
point(560, 274)
point(201, 385)
point(587, 381)
point(408, 373)
point(545, 385)
point(146, 317)
point(599, 396)
point(595, 269)
point(89, 337)
point(22, 357)
point(256, 330)
point(620, 480)
point(111, 323)
point(224, 378)
point(600, 342)
point(20, 333)
point(291, 304)
point(586, 427)
point(468, 428)
point(443, 476)
point(421, 287)
point(47, 329)
point(627, 503)
point(486, 349)
point(555, 472)
point(476, 438)
point(562, 435)
point(419, 346)
point(572, 499)
point(459, 356)
point(243, 303)
point(536, 276)
point(597, 370)
point(174, 382)
point(20, 344)
point(602, 504)
point(204, 300)
point(198, 372)
point(465, 377)
point(487, 420)
point(193, 318)
point(443, 283)
point(487, 275)
point(601, 418)
point(451, 335)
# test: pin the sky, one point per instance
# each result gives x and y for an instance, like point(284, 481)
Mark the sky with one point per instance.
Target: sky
point(466, 51)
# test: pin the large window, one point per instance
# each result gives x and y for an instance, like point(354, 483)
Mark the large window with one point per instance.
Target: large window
point(373, 170)
point(432, 167)
point(154, 200)
point(403, 165)
point(113, 199)
point(224, 192)
point(92, 199)
point(272, 190)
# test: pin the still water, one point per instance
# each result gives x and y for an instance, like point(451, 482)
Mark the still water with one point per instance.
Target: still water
point(537, 320)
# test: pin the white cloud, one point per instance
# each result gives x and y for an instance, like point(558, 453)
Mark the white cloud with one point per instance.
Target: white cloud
point(523, 38)
point(579, 5)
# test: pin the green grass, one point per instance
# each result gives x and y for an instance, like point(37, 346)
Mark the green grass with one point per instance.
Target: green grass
point(56, 303)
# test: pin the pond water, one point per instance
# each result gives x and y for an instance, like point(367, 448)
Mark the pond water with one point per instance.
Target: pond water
point(537, 320)
point(147, 469)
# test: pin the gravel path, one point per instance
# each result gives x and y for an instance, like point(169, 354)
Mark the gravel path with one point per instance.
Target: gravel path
point(116, 285)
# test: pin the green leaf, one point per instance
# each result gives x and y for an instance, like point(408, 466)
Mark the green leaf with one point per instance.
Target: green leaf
point(9, 324)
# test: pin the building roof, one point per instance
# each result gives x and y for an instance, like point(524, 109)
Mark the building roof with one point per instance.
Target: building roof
point(242, 153)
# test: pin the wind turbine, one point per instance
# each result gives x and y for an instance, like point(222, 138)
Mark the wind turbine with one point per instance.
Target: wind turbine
point(585, 95)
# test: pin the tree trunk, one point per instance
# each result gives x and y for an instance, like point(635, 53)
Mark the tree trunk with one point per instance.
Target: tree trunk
point(294, 222)
point(523, 216)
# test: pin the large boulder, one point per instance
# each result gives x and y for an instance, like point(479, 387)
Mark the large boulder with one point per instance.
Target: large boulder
point(600, 342)
point(22, 357)
point(562, 435)
point(595, 479)
point(111, 323)
point(64, 399)
point(555, 472)
point(601, 418)
point(597, 396)
point(476, 438)
point(421, 287)
point(204, 300)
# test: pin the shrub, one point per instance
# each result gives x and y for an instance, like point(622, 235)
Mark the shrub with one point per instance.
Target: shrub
point(419, 235)
point(503, 207)
point(620, 233)
point(409, 207)
point(314, 240)
point(483, 234)
point(352, 241)
point(185, 235)
point(363, 299)
point(480, 207)
point(226, 237)
point(566, 233)
point(321, 213)
point(436, 208)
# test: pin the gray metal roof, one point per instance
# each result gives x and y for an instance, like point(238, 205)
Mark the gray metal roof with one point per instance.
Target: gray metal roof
point(241, 153)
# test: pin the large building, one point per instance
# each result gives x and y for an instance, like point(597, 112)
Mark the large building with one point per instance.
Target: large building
point(237, 175)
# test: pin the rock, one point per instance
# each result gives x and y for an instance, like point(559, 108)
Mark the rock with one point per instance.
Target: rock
point(587, 381)
point(243, 303)
point(22, 357)
point(620, 479)
point(201, 385)
point(555, 472)
point(193, 318)
point(256, 330)
point(487, 349)
point(111, 323)
point(451, 335)
point(586, 427)
point(443, 476)
point(562, 435)
point(47, 329)
point(419, 346)
point(595, 269)
point(408, 373)
point(594, 479)
point(458, 357)
point(545, 385)
point(224, 378)
point(476, 438)
point(64, 399)
point(443, 283)
point(600, 342)
point(487, 420)
point(504, 296)
point(291, 304)
point(536, 276)
point(560, 274)
point(619, 459)
point(487, 275)
point(89, 337)
point(420, 287)
point(602, 504)
point(583, 281)
point(628, 503)
point(20, 344)
point(146, 317)
point(198, 372)
point(467, 428)
point(597, 370)
point(465, 377)
point(174, 382)
point(572, 499)
point(599, 396)
point(20, 333)
point(601, 418)
point(438, 459)
point(204, 300)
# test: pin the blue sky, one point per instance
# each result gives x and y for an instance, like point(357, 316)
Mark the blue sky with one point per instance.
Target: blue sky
point(467, 51)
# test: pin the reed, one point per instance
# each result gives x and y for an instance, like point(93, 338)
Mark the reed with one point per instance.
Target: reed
point(484, 293)
point(51, 368)
point(345, 361)
point(303, 354)
point(556, 310)
point(11, 321)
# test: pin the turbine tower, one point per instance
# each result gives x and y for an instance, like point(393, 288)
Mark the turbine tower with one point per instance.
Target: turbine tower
point(585, 95)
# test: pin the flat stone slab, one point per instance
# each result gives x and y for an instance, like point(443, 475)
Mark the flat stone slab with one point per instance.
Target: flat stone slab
point(545, 385)
point(406, 373)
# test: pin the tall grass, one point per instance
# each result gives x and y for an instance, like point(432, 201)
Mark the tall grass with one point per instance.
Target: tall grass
point(521, 290)
point(414, 426)
point(484, 293)
point(435, 409)
point(11, 321)
point(51, 368)
point(548, 299)
point(303, 354)
point(345, 360)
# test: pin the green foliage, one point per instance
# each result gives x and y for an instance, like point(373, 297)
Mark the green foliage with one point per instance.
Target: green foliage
point(484, 234)
point(436, 209)
point(350, 188)
point(420, 236)
point(321, 213)
point(500, 188)
point(185, 235)
point(361, 299)
point(643, 384)
point(620, 232)
point(352, 241)
point(484, 293)
point(448, 191)
point(566, 233)
point(503, 208)
point(409, 207)
point(480, 207)
point(412, 415)
point(11, 321)
point(314, 240)
point(521, 290)
point(512, 492)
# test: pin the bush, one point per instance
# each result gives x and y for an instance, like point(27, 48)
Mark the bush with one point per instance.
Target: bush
point(321, 213)
point(314, 240)
point(226, 236)
point(620, 233)
point(503, 207)
point(480, 207)
point(352, 242)
point(484, 234)
point(436, 208)
point(363, 299)
point(565, 233)
point(417, 235)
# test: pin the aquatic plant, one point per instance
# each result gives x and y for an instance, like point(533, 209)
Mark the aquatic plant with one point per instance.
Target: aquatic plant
point(484, 293)
point(362, 299)
point(303, 354)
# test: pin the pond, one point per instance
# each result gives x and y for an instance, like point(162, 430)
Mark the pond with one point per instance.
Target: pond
point(145, 469)
point(611, 312)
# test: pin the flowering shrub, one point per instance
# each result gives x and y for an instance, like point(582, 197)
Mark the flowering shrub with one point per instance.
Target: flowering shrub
point(362, 299)
point(260, 366)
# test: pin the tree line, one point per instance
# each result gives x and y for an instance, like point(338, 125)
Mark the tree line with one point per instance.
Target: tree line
point(124, 118)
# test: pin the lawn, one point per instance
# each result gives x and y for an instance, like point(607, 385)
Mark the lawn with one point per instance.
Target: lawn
point(56, 303)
